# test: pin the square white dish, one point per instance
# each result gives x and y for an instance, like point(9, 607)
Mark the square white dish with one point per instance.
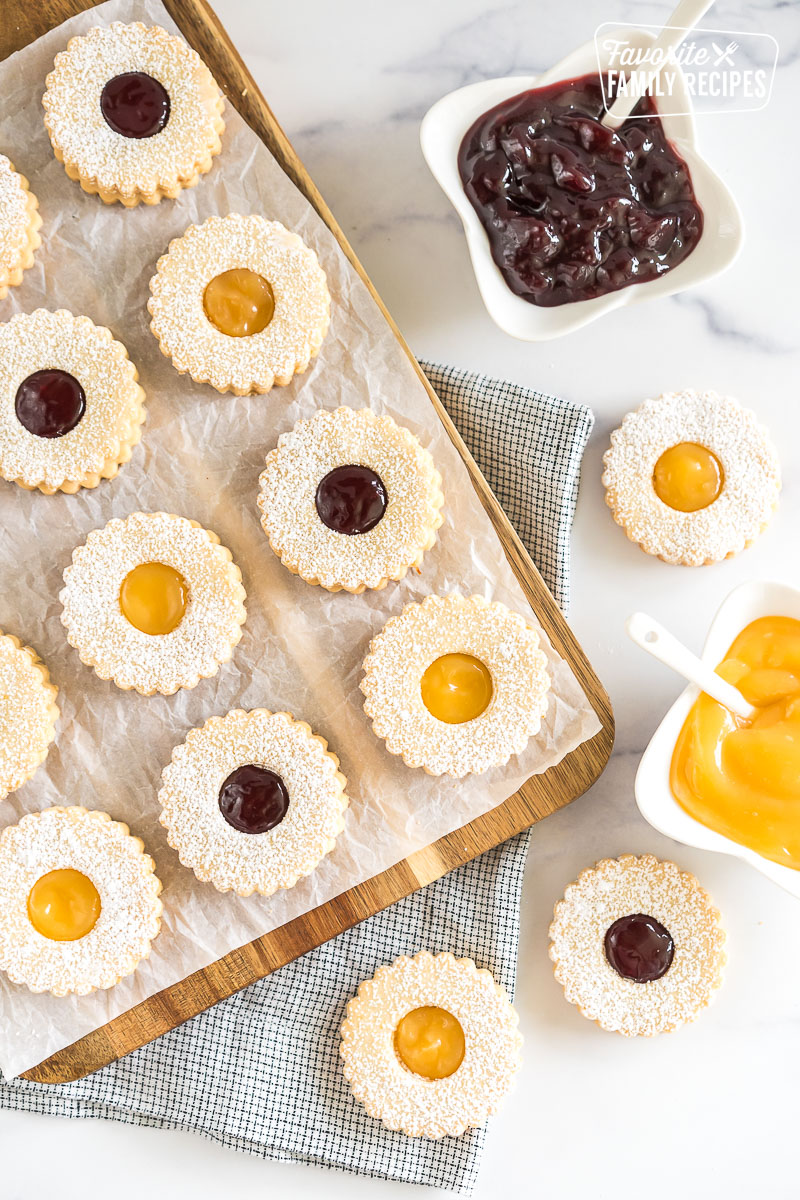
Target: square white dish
point(748, 602)
point(442, 131)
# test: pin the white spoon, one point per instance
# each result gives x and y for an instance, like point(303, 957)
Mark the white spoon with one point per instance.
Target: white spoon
point(684, 18)
point(659, 642)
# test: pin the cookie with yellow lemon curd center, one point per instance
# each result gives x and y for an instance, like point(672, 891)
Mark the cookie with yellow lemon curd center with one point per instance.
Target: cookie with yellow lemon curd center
point(28, 713)
point(133, 113)
point(253, 801)
point(79, 901)
point(19, 226)
point(692, 477)
point(153, 602)
point(430, 1045)
point(350, 500)
point(71, 409)
point(637, 945)
point(456, 684)
point(239, 302)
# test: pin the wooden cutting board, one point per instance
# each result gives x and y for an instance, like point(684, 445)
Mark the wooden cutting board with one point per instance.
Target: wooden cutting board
point(22, 22)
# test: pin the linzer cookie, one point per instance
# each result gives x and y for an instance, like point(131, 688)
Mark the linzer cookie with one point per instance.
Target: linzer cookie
point(430, 1045)
point(637, 945)
point(71, 410)
point(455, 684)
point(692, 477)
point(133, 113)
point(350, 500)
point(79, 901)
point(19, 226)
point(28, 713)
point(239, 302)
point(153, 602)
point(253, 801)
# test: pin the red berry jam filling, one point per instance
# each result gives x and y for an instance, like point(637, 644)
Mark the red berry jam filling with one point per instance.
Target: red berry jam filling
point(253, 799)
point(573, 210)
point(135, 105)
point(351, 499)
point(50, 403)
point(638, 947)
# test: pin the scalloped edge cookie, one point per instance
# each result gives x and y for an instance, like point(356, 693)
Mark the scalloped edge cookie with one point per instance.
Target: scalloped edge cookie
point(26, 738)
point(344, 562)
point(421, 633)
point(20, 223)
point(208, 632)
point(750, 490)
point(132, 170)
point(410, 1103)
point(243, 365)
point(104, 439)
point(624, 886)
point(240, 862)
point(106, 852)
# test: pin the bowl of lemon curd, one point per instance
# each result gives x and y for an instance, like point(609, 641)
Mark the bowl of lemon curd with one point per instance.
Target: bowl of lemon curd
point(712, 780)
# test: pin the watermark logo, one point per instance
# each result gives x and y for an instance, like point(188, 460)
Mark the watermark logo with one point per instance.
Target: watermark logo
point(712, 70)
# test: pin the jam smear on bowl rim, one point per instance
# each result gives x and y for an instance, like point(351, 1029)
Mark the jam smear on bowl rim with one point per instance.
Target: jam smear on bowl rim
point(574, 210)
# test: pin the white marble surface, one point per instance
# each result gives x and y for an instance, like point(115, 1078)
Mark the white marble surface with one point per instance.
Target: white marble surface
point(709, 1110)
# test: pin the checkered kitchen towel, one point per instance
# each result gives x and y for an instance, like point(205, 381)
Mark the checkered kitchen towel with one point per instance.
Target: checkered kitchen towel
point(260, 1072)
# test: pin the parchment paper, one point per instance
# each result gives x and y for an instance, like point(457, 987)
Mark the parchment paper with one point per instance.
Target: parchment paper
point(200, 457)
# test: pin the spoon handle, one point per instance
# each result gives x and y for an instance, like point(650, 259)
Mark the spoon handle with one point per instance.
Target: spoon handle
point(664, 646)
point(683, 19)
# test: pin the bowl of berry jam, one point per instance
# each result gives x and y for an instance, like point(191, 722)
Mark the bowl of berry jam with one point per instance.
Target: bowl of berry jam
point(566, 219)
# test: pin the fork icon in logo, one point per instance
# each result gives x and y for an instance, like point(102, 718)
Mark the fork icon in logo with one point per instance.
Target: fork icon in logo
point(726, 55)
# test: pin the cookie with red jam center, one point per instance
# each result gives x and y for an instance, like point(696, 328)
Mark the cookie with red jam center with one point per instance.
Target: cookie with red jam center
point(71, 409)
point(637, 945)
point(350, 500)
point(253, 801)
point(133, 113)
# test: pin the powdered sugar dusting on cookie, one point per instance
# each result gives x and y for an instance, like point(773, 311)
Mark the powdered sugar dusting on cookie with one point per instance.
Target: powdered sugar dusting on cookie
point(28, 713)
point(441, 625)
point(239, 364)
point(107, 641)
point(750, 487)
point(130, 913)
point(243, 862)
point(622, 887)
point(111, 424)
point(348, 437)
point(136, 168)
point(19, 225)
point(14, 198)
point(406, 1101)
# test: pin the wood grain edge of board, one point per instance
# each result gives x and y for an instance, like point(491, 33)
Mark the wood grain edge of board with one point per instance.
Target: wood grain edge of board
point(536, 798)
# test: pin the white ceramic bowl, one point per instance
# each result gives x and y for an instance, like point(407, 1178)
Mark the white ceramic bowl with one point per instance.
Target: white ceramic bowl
point(653, 794)
point(442, 132)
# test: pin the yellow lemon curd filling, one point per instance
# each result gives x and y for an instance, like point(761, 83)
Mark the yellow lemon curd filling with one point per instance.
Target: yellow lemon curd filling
point(239, 302)
point(63, 905)
point(456, 688)
point(430, 1042)
point(742, 778)
point(688, 477)
point(153, 598)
